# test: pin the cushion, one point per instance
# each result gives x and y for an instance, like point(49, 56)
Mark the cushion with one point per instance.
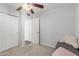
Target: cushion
point(68, 47)
point(63, 52)
point(72, 40)
point(78, 40)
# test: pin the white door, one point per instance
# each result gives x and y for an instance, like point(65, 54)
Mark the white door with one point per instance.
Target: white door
point(35, 30)
point(31, 28)
point(8, 31)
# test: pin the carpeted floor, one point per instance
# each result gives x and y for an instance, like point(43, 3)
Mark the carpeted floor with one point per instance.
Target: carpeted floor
point(28, 50)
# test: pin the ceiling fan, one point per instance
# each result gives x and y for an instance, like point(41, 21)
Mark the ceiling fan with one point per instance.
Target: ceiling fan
point(29, 7)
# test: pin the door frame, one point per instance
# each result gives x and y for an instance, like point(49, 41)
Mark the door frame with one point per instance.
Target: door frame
point(21, 30)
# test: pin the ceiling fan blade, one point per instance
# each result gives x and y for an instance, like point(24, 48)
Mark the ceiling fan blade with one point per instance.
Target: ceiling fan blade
point(38, 5)
point(32, 11)
point(19, 8)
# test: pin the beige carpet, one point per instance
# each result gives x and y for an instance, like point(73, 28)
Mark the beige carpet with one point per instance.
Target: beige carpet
point(28, 50)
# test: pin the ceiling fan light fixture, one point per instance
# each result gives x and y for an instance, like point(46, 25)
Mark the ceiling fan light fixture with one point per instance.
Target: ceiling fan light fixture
point(27, 7)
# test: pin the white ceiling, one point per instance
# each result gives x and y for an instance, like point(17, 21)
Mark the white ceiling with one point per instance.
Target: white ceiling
point(47, 6)
point(14, 6)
